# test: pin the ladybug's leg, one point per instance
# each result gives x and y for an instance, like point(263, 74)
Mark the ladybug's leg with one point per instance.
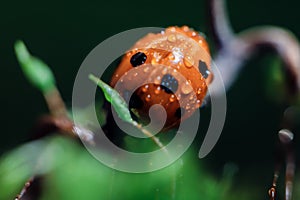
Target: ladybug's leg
point(234, 50)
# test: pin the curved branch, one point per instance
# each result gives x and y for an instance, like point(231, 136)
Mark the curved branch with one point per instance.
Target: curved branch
point(219, 23)
point(235, 49)
point(284, 43)
point(231, 58)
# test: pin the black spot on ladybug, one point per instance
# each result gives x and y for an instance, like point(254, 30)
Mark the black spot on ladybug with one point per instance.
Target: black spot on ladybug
point(179, 112)
point(169, 84)
point(138, 59)
point(135, 102)
point(203, 69)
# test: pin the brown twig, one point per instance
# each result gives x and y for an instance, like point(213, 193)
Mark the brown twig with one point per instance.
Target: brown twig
point(236, 49)
point(25, 188)
point(57, 121)
point(220, 26)
point(284, 154)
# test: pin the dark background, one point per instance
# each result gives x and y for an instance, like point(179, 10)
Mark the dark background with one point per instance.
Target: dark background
point(62, 33)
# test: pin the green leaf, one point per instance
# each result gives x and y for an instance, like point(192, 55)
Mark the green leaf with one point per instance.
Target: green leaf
point(115, 99)
point(35, 70)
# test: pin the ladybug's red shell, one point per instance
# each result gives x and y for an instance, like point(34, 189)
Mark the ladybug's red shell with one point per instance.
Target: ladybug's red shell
point(171, 68)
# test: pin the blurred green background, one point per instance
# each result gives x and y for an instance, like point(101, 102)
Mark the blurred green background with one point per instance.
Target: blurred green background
point(62, 33)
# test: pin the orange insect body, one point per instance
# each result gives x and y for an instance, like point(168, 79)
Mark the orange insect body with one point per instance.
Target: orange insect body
point(172, 69)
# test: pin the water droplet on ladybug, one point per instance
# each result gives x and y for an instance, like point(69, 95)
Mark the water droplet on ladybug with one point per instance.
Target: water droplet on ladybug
point(172, 29)
point(146, 69)
point(171, 56)
point(186, 88)
point(172, 98)
point(172, 38)
point(178, 97)
point(145, 88)
point(164, 71)
point(188, 106)
point(153, 61)
point(188, 61)
point(128, 54)
point(157, 56)
point(199, 90)
point(157, 90)
point(148, 97)
point(157, 80)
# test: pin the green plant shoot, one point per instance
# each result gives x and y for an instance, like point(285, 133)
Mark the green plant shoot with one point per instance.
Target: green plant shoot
point(35, 70)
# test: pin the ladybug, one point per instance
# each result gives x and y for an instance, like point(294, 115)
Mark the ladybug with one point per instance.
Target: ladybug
point(170, 68)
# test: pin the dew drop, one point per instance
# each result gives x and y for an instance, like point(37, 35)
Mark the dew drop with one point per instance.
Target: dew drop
point(157, 56)
point(199, 90)
point(172, 29)
point(157, 80)
point(188, 61)
point(153, 61)
point(178, 97)
point(171, 56)
point(172, 38)
point(148, 97)
point(172, 98)
point(146, 69)
point(164, 71)
point(185, 28)
point(186, 88)
point(145, 88)
point(157, 90)
point(188, 106)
